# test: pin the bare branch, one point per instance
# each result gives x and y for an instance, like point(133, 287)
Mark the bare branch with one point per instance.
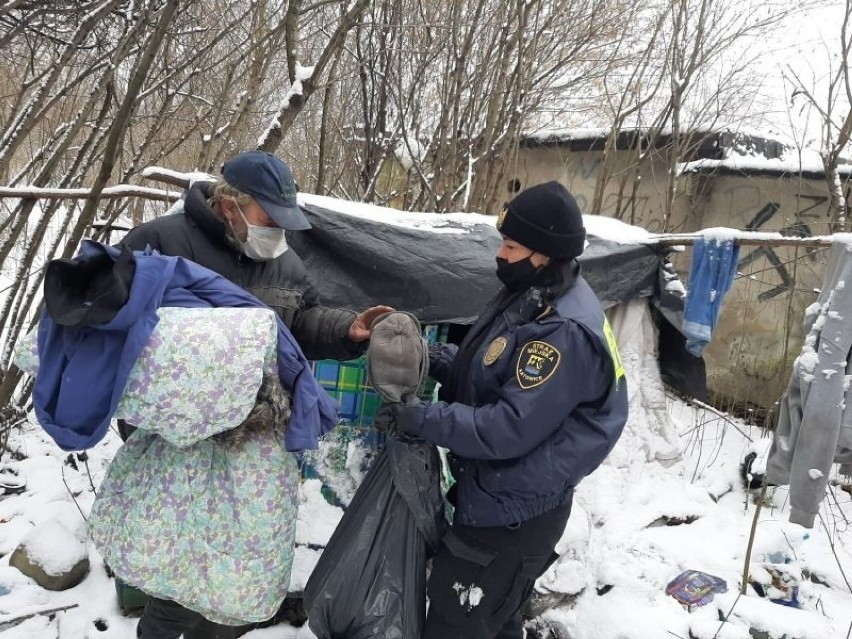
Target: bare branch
point(121, 121)
point(295, 100)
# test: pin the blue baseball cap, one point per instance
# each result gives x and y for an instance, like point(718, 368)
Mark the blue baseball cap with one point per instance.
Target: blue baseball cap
point(269, 181)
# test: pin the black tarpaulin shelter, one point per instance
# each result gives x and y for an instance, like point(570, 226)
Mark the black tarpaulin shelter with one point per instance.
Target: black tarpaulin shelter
point(443, 275)
point(443, 271)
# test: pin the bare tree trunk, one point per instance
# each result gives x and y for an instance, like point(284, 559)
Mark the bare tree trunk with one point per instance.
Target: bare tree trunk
point(837, 207)
point(120, 123)
point(837, 199)
point(835, 138)
point(320, 188)
point(48, 166)
point(636, 94)
point(22, 124)
point(291, 37)
point(295, 101)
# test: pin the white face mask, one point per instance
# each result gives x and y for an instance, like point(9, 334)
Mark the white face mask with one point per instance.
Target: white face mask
point(262, 243)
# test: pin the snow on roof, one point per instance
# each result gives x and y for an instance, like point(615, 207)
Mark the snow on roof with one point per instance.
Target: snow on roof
point(731, 131)
point(599, 226)
point(721, 149)
point(592, 133)
point(566, 134)
point(792, 161)
point(569, 134)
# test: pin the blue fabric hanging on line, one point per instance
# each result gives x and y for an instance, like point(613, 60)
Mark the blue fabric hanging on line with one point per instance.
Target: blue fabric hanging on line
point(714, 264)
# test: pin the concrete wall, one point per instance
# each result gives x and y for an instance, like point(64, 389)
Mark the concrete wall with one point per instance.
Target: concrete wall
point(579, 171)
point(760, 328)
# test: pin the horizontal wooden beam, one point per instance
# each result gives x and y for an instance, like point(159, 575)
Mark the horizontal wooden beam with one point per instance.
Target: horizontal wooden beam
point(119, 190)
point(746, 238)
point(182, 181)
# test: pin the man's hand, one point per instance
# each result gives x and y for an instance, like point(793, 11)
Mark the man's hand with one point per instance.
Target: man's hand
point(360, 329)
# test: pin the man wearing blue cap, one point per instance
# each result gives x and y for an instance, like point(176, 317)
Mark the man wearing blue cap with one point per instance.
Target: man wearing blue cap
point(237, 227)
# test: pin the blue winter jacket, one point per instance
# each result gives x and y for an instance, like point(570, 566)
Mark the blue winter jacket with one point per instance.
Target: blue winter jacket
point(543, 405)
point(83, 372)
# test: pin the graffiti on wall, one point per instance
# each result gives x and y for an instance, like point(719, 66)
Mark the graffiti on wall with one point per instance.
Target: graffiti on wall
point(743, 204)
point(637, 212)
point(581, 175)
point(778, 264)
point(584, 169)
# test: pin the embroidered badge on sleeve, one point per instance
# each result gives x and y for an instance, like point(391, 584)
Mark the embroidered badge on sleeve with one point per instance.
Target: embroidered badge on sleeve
point(536, 364)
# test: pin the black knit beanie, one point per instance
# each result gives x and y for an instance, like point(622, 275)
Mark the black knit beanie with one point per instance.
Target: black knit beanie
point(546, 219)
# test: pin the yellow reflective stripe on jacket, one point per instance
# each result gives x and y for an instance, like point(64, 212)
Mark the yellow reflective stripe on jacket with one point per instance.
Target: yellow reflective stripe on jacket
point(613, 350)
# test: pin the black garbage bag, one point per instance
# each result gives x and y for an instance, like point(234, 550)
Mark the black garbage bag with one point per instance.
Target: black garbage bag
point(371, 578)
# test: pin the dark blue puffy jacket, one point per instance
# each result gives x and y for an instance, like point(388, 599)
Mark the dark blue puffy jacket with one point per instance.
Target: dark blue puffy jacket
point(543, 405)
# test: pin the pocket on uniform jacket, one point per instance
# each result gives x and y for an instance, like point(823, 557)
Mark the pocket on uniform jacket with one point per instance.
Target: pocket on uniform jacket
point(468, 549)
point(533, 566)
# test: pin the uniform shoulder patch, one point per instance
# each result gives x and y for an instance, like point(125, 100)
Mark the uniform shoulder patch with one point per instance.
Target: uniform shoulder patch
point(537, 363)
point(495, 349)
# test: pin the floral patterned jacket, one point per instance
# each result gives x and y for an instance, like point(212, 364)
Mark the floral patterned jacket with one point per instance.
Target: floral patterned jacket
point(200, 504)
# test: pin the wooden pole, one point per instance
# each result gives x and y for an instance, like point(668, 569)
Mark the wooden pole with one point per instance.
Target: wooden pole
point(745, 238)
point(7, 622)
point(119, 190)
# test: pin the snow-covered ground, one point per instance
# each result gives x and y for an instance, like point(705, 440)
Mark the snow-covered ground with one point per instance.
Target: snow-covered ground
point(618, 552)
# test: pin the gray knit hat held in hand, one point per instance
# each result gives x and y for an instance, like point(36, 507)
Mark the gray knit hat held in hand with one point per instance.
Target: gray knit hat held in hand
point(397, 357)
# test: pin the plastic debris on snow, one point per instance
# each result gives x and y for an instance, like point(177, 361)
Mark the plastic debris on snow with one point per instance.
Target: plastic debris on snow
point(695, 588)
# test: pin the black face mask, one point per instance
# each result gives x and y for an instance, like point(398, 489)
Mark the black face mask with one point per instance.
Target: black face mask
point(516, 275)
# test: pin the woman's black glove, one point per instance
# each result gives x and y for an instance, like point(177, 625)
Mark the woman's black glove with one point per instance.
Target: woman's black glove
point(408, 418)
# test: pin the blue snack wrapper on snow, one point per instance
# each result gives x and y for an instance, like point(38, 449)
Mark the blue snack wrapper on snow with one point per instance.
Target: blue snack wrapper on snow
point(695, 588)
